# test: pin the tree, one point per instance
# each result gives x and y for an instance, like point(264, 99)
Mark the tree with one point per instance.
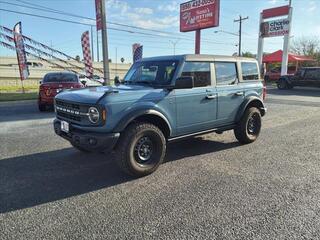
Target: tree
point(78, 58)
point(307, 46)
point(248, 54)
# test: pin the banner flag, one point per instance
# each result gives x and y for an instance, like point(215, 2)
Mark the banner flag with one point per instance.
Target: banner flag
point(21, 54)
point(85, 42)
point(137, 52)
point(98, 15)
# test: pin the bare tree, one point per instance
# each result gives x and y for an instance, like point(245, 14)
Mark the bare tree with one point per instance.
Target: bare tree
point(307, 46)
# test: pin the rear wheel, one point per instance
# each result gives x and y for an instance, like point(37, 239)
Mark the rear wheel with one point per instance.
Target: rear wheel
point(249, 127)
point(42, 107)
point(282, 84)
point(141, 149)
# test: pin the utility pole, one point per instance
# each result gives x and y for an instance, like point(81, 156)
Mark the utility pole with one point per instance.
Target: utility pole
point(106, 73)
point(240, 31)
point(92, 53)
point(174, 43)
point(286, 44)
point(98, 46)
point(116, 61)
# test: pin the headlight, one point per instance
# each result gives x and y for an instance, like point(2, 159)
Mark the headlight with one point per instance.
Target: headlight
point(93, 115)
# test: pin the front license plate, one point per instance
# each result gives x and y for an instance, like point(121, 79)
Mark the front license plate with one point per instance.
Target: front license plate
point(65, 126)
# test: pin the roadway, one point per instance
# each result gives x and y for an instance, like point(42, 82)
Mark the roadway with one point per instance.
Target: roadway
point(209, 187)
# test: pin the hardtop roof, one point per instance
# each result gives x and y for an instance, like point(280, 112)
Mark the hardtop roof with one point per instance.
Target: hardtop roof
point(198, 57)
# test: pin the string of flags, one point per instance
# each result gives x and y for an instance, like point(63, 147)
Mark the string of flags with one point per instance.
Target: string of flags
point(41, 45)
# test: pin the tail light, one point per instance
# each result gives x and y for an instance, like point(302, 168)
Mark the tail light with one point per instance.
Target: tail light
point(264, 91)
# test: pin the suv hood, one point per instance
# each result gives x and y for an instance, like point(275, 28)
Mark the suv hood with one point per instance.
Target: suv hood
point(93, 95)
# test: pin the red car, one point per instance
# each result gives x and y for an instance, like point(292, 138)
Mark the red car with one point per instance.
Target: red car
point(275, 73)
point(52, 84)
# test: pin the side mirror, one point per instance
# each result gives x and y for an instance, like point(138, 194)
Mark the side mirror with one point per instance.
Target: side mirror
point(117, 80)
point(83, 82)
point(184, 82)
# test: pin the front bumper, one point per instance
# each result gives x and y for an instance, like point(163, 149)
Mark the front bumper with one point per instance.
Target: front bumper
point(92, 141)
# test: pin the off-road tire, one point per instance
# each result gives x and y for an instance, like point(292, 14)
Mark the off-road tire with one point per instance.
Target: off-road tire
point(241, 132)
point(282, 84)
point(127, 151)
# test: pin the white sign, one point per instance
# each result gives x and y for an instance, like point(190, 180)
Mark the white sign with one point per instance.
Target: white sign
point(275, 28)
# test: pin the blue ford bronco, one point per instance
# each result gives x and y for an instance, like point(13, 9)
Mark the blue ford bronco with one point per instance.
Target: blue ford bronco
point(163, 99)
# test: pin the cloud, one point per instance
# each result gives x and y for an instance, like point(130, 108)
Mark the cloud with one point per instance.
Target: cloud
point(88, 21)
point(312, 6)
point(273, 2)
point(146, 11)
point(142, 16)
point(171, 7)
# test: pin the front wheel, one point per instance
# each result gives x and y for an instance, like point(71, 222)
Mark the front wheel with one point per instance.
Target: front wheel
point(141, 149)
point(249, 127)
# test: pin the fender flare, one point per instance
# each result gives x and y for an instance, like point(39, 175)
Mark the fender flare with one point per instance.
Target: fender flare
point(246, 103)
point(128, 118)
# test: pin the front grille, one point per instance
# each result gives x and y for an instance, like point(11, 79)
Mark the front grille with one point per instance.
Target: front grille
point(71, 111)
point(69, 116)
point(67, 105)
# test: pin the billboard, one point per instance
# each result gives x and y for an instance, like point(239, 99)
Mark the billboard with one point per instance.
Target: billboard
point(275, 28)
point(199, 14)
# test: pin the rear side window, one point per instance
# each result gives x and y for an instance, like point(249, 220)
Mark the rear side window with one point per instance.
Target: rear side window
point(249, 71)
point(60, 77)
point(226, 73)
point(313, 74)
point(200, 71)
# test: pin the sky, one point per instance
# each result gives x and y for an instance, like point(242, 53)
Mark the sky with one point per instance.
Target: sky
point(159, 15)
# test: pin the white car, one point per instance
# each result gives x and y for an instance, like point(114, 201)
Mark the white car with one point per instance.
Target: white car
point(95, 81)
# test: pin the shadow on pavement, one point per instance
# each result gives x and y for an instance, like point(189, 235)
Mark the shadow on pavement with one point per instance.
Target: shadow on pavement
point(297, 91)
point(39, 178)
point(28, 110)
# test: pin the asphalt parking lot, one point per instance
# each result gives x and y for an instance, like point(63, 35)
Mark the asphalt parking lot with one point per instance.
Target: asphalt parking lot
point(210, 187)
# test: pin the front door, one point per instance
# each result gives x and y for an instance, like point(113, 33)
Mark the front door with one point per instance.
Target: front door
point(230, 92)
point(196, 107)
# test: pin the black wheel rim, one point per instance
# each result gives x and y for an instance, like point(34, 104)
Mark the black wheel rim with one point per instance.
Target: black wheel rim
point(253, 125)
point(143, 150)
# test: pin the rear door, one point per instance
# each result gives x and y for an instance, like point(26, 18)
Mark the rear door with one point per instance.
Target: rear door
point(310, 77)
point(230, 92)
point(196, 107)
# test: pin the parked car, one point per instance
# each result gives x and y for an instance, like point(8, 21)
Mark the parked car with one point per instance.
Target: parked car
point(275, 73)
point(93, 82)
point(52, 84)
point(163, 99)
point(305, 77)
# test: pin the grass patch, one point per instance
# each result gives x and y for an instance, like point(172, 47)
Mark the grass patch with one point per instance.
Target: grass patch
point(18, 96)
point(28, 88)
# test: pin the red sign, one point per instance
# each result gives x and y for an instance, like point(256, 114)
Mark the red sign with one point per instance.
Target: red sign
point(199, 14)
point(275, 12)
point(98, 15)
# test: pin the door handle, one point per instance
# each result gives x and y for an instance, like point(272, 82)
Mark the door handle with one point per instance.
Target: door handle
point(238, 94)
point(211, 96)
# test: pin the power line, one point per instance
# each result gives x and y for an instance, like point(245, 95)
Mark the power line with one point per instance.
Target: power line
point(42, 8)
point(110, 28)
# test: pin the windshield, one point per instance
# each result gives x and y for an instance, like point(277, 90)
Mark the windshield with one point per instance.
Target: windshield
point(60, 77)
point(151, 72)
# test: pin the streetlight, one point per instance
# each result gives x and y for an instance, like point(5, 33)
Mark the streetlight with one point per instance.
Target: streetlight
point(174, 43)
